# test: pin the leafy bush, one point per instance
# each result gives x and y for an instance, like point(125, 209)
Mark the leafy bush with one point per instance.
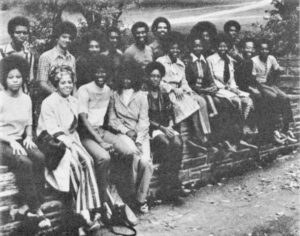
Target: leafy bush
point(282, 28)
point(45, 13)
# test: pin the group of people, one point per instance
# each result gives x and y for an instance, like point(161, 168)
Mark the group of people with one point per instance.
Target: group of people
point(106, 103)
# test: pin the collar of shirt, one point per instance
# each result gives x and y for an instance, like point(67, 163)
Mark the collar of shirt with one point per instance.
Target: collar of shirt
point(10, 49)
point(167, 60)
point(107, 52)
point(195, 58)
point(133, 96)
point(57, 53)
point(218, 58)
point(98, 89)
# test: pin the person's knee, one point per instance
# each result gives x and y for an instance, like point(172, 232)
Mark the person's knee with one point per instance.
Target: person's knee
point(177, 142)
point(161, 142)
point(102, 158)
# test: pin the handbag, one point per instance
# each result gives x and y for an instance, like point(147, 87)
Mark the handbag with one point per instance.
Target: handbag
point(53, 149)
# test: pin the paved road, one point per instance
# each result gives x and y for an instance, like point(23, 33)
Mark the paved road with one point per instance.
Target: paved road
point(181, 19)
point(247, 13)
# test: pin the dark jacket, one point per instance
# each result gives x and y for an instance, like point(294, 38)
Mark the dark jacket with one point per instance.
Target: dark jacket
point(243, 75)
point(199, 85)
point(160, 110)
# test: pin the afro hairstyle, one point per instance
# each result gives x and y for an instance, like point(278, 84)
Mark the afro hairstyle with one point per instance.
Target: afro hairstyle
point(230, 23)
point(203, 26)
point(159, 20)
point(64, 27)
point(18, 20)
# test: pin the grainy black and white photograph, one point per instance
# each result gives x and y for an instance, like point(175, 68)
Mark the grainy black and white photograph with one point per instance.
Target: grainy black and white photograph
point(149, 118)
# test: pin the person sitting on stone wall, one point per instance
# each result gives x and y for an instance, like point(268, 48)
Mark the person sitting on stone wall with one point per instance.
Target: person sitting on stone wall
point(266, 71)
point(166, 142)
point(17, 149)
point(160, 27)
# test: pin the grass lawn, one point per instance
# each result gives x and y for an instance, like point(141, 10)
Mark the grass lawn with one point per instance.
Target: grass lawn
point(189, 3)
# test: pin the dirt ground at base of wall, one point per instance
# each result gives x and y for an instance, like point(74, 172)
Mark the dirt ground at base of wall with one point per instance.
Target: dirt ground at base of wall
point(263, 202)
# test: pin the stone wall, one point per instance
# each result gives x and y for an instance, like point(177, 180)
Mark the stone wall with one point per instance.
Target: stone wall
point(198, 169)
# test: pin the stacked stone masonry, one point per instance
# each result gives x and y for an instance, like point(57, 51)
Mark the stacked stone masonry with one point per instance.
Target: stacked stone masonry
point(197, 169)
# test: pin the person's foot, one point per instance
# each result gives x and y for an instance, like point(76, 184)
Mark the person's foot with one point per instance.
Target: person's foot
point(196, 146)
point(184, 192)
point(142, 208)
point(279, 138)
point(212, 150)
point(244, 144)
point(291, 137)
point(228, 146)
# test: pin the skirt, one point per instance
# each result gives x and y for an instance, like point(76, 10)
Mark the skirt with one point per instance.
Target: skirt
point(76, 173)
point(183, 108)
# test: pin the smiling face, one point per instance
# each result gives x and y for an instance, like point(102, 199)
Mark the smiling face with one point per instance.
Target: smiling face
point(20, 35)
point(113, 39)
point(64, 41)
point(14, 80)
point(65, 84)
point(155, 78)
point(100, 77)
point(140, 35)
point(248, 49)
point(197, 47)
point(233, 32)
point(206, 36)
point(174, 51)
point(264, 51)
point(161, 30)
point(222, 48)
point(126, 83)
point(94, 47)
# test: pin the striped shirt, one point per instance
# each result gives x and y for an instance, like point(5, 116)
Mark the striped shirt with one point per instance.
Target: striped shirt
point(52, 58)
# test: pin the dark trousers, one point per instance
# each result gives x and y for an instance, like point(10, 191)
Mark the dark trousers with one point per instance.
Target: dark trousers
point(228, 124)
point(29, 173)
point(271, 103)
point(168, 152)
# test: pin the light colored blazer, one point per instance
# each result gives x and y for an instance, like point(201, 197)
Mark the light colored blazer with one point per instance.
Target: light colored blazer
point(216, 68)
point(175, 75)
point(54, 115)
point(134, 116)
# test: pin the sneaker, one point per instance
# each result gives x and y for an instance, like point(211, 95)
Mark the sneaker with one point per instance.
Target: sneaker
point(196, 146)
point(229, 147)
point(279, 138)
point(212, 150)
point(143, 208)
point(244, 144)
point(291, 137)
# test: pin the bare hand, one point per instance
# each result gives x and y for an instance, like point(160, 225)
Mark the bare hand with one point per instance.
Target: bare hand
point(107, 146)
point(178, 93)
point(28, 143)
point(169, 131)
point(132, 134)
point(17, 148)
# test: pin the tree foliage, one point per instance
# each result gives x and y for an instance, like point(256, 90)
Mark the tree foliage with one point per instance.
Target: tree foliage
point(282, 28)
